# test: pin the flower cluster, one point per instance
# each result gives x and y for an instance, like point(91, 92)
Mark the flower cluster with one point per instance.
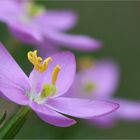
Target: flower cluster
point(54, 88)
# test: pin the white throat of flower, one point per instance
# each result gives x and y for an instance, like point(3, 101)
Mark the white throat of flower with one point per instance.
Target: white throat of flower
point(48, 89)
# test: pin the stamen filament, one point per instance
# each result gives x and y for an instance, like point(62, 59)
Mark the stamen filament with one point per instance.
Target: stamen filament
point(55, 74)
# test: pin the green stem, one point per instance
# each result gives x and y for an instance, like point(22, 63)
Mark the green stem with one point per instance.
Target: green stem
point(3, 118)
point(14, 124)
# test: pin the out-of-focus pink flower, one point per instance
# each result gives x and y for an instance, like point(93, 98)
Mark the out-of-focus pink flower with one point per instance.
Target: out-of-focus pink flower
point(31, 23)
point(100, 82)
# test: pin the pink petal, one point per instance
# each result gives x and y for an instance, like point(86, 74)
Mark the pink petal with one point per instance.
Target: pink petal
point(50, 116)
point(78, 42)
point(8, 9)
point(59, 20)
point(66, 75)
point(130, 110)
point(47, 48)
point(13, 82)
point(104, 121)
point(82, 108)
point(26, 32)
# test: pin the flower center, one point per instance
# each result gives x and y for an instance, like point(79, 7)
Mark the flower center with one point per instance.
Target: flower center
point(89, 87)
point(34, 9)
point(40, 66)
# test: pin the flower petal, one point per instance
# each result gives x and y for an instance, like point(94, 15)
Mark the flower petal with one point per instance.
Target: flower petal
point(104, 121)
point(65, 19)
point(13, 82)
point(82, 108)
point(78, 42)
point(51, 117)
point(13, 94)
point(26, 32)
point(8, 9)
point(130, 110)
point(47, 48)
point(66, 60)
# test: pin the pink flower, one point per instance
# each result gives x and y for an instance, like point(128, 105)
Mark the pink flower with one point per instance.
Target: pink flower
point(43, 89)
point(31, 23)
point(100, 82)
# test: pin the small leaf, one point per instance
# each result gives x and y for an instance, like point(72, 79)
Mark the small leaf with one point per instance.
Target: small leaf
point(3, 117)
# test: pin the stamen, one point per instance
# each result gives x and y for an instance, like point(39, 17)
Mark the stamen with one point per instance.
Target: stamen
point(37, 61)
point(32, 56)
point(45, 63)
point(55, 74)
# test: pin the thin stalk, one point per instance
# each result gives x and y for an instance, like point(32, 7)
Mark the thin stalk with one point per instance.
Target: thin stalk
point(14, 124)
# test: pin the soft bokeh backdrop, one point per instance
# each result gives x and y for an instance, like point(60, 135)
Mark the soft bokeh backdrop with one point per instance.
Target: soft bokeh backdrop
point(117, 24)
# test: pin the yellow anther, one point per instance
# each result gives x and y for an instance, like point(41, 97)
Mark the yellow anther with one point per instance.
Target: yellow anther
point(37, 61)
point(32, 56)
point(55, 74)
point(45, 64)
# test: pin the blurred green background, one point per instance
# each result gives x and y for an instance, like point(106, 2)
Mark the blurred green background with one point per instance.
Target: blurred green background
point(117, 24)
